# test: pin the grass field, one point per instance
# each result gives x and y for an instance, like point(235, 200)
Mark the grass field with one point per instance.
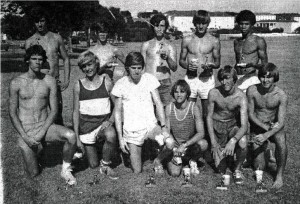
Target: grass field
point(49, 187)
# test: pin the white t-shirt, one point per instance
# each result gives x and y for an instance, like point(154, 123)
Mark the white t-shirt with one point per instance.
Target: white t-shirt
point(244, 84)
point(137, 101)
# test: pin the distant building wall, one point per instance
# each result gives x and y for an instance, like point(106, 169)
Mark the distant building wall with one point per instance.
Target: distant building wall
point(288, 27)
point(265, 16)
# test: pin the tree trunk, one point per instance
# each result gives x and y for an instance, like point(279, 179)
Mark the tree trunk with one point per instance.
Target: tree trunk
point(70, 47)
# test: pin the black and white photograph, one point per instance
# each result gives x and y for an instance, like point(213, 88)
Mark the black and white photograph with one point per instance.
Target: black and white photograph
point(162, 101)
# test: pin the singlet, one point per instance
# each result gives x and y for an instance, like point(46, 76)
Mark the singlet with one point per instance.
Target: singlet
point(94, 107)
point(183, 129)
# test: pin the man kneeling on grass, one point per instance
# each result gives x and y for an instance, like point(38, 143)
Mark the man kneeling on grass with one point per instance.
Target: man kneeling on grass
point(267, 113)
point(185, 123)
point(92, 116)
point(135, 94)
point(33, 108)
point(228, 132)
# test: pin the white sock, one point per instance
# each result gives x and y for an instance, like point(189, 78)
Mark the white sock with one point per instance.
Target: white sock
point(66, 165)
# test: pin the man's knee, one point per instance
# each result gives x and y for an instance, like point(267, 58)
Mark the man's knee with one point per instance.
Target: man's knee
point(170, 143)
point(203, 144)
point(243, 142)
point(93, 164)
point(70, 136)
point(110, 134)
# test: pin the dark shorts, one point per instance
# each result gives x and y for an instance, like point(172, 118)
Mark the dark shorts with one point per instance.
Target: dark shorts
point(164, 91)
point(224, 130)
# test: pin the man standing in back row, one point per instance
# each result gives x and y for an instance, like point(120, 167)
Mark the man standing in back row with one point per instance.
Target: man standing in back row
point(160, 57)
point(249, 49)
point(200, 51)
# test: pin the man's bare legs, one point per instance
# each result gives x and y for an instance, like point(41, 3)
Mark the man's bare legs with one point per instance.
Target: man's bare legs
point(135, 153)
point(241, 152)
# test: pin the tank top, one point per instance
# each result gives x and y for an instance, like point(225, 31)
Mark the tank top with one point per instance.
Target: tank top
point(185, 128)
point(94, 107)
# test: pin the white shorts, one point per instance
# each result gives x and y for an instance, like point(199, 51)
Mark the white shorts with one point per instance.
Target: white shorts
point(90, 138)
point(138, 137)
point(244, 83)
point(200, 86)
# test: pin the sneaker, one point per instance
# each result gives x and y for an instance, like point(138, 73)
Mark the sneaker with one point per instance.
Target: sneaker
point(67, 175)
point(105, 169)
point(238, 177)
point(194, 167)
point(158, 169)
point(221, 186)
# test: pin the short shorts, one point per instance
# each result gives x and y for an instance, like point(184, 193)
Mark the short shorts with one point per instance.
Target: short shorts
point(138, 137)
point(225, 130)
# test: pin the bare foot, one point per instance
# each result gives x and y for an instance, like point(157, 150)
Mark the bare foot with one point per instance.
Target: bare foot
point(278, 183)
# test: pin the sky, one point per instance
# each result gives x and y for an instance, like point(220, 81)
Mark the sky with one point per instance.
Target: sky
point(269, 6)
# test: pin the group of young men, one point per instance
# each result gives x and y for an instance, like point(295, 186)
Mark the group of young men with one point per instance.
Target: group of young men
point(145, 104)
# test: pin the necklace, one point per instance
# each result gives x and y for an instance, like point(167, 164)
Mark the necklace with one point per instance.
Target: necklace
point(188, 107)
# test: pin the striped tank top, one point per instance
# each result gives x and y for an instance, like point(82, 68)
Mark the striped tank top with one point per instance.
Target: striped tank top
point(94, 107)
point(183, 128)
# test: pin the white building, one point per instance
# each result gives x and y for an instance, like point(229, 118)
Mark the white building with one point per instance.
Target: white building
point(287, 26)
point(265, 17)
point(183, 20)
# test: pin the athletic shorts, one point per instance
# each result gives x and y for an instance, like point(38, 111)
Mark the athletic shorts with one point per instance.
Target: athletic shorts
point(91, 138)
point(164, 91)
point(201, 86)
point(138, 137)
point(225, 131)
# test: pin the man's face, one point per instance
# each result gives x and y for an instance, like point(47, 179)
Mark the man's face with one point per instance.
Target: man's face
point(201, 27)
point(267, 81)
point(135, 73)
point(102, 36)
point(160, 28)
point(245, 26)
point(227, 82)
point(90, 68)
point(180, 95)
point(40, 24)
point(35, 62)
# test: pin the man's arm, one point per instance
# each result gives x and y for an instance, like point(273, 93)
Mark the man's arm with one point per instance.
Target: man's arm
point(209, 118)
point(172, 58)
point(243, 117)
point(76, 91)
point(262, 50)
point(109, 86)
point(168, 112)
point(199, 127)
point(66, 60)
point(183, 54)
point(144, 48)
point(27, 43)
point(159, 109)
point(216, 55)
point(53, 107)
point(119, 54)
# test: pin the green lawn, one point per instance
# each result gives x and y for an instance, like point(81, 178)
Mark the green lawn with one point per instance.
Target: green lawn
point(49, 187)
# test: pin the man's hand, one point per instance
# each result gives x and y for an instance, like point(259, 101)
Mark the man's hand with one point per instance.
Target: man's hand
point(81, 146)
point(208, 66)
point(105, 125)
point(124, 147)
point(259, 139)
point(30, 141)
point(229, 148)
point(39, 136)
point(217, 154)
point(180, 151)
point(64, 86)
point(192, 67)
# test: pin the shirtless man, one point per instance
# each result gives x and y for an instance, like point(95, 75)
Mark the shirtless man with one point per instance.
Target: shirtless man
point(249, 49)
point(184, 121)
point(54, 46)
point(200, 51)
point(106, 53)
point(267, 113)
point(228, 132)
point(30, 96)
point(160, 57)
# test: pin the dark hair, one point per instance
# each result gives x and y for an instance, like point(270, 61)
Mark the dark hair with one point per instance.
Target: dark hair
point(38, 13)
point(101, 27)
point(35, 50)
point(269, 69)
point(184, 86)
point(86, 57)
point(156, 19)
point(227, 71)
point(201, 16)
point(134, 58)
point(246, 15)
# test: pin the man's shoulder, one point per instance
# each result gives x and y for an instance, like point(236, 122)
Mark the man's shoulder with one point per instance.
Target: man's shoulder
point(280, 92)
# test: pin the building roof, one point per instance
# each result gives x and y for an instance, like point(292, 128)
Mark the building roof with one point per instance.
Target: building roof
point(277, 21)
point(193, 12)
point(265, 13)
